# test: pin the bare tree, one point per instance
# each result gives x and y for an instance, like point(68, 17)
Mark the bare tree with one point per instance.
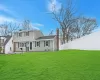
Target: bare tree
point(26, 25)
point(3, 29)
point(71, 25)
point(65, 17)
point(84, 26)
point(8, 28)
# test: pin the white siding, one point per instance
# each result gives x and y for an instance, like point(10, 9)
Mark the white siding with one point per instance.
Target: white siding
point(32, 36)
point(2, 43)
point(42, 48)
point(89, 42)
point(37, 48)
point(8, 46)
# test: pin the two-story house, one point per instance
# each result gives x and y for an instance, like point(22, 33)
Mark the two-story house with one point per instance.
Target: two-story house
point(34, 40)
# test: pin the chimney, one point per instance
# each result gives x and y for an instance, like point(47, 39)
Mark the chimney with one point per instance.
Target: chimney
point(57, 38)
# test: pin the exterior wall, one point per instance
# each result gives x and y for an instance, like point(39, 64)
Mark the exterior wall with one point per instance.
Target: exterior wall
point(89, 42)
point(37, 48)
point(37, 33)
point(42, 48)
point(32, 36)
point(2, 40)
point(8, 46)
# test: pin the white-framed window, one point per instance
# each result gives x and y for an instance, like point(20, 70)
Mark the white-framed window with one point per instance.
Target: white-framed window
point(26, 33)
point(46, 43)
point(30, 45)
point(20, 34)
point(37, 43)
point(21, 44)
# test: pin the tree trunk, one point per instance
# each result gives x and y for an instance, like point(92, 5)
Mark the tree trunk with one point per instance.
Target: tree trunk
point(64, 37)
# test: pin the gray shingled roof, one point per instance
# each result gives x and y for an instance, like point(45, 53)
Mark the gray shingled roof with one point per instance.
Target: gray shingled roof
point(8, 38)
point(46, 37)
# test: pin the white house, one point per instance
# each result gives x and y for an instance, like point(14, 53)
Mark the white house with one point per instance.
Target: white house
point(34, 40)
point(6, 44)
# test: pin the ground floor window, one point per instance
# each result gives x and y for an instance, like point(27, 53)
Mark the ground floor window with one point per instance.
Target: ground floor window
point(30, 45)
point(37, 43)
point(46, 43)
point(21, 44)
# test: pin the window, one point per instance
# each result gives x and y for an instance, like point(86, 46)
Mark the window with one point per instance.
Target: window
point(37, 43)
point(46, 43)
point(20, 34)
point(30, 45)
point(26, 33)
point(22, 45)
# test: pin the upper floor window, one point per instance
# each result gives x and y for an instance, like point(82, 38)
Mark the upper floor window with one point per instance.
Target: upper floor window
point(26, 33)
point(20, 34)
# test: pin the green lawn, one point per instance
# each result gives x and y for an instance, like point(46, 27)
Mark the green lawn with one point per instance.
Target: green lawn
point(62, 65)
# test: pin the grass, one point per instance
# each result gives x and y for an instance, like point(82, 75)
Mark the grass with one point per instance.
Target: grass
point(62, 65)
